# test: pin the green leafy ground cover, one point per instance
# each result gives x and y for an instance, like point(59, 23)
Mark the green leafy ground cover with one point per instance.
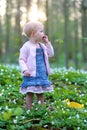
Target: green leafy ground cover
point(54, 114)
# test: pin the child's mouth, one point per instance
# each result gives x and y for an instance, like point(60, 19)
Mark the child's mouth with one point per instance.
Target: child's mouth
point(43, 37)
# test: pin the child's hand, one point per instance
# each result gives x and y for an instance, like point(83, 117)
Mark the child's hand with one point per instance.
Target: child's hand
point(26, 73)
point(45, 39)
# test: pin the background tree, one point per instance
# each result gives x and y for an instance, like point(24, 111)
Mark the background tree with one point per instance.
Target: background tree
point(17, 21)
point(28, 5)
point(84, 29)
point(66, 32)
point(8, 29)
point(75, 6)
point(1, 35)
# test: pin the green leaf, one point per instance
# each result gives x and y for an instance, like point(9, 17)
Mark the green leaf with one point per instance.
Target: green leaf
point(7, 115)
point(18, 111)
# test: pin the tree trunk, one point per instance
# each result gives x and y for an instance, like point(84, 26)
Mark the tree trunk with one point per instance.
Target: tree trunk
point(28, 4)
point(8, 22)
point(66, 18)
point(1, 36)
point(47, 15)
point(84, 30)
point(18, 26)
point(76, 35)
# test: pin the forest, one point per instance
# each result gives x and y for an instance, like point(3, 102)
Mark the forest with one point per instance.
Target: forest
point(65, 23)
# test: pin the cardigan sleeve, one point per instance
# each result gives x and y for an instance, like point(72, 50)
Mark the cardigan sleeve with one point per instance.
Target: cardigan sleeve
point(49, 49)
point(23, 58)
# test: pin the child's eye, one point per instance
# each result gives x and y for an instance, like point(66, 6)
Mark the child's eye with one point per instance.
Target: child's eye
point(41, 31)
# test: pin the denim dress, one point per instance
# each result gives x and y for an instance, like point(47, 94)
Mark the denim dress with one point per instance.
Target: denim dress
point(40, 83)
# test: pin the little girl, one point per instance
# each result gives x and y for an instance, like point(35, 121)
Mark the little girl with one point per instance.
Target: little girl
point(34, 64)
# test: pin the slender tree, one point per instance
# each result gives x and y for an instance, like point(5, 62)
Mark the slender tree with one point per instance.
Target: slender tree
point(1, 35)
point(18, 26)
point(75, 34)
point(8, 26)
point(66, 22)
point(28, 5)
point(84, 29)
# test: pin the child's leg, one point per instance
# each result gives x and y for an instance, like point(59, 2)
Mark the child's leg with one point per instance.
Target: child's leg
point(29, 99)
point(40, 98)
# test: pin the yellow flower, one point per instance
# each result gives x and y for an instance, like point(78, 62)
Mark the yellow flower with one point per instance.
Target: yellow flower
point(74, 104)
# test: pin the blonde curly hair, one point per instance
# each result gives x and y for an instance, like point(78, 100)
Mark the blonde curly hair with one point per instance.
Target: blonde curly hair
point(31, 26)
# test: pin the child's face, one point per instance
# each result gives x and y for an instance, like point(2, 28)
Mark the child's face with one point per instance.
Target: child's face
point(39, 34)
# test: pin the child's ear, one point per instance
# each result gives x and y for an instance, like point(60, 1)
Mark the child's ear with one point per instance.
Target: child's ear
point(32, 33)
